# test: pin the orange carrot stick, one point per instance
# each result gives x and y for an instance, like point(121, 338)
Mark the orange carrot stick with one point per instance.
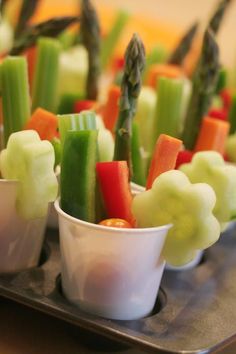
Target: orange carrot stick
point(166, 70)
point(164, 157)
point(212, 135)
point(111, 108)
point(44, 122)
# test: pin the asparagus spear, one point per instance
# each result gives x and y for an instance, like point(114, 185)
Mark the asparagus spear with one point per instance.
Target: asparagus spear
point(27, 10)
point(130, 89)
point(217, 17)
point(50, 28)
point(90, 35)
point(204, 85)
point(182, 49)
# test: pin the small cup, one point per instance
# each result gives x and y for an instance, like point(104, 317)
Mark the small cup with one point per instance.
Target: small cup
point(20, 240)
point(110, 272)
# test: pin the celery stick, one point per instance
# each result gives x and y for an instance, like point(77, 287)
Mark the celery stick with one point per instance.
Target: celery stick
point(168, 108)
point(110, 42)
point(67, 102)
point(137, 160)
point(157, 55)
point(45, 85)
point(56, 143)
point(15, 95)
point(85, 120)
point(78, 188)
point(232, 115)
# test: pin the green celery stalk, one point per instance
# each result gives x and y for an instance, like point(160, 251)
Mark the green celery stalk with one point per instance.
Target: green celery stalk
point(157, 55)
point(56, 143)
point(110, 42)
point(67, 102)
point(232, 115)
point(78, 189)
point(45, 85)
point(137, 160)
point(168, 112)
point(85, 120)
point(15, 95)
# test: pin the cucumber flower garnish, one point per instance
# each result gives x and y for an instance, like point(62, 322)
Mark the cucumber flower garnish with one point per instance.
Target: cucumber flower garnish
point(209, 167)
point(188, 207)
point(30, 161)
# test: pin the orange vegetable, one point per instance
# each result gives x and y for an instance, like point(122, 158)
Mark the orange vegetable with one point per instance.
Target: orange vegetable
point(166, 70)
point(164, 157)
point(30, 54)
point(120, 223)
point(212, 135)
point(44, 122)
point(111, 108)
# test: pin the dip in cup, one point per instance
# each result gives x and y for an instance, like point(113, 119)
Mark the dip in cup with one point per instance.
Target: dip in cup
point(109, 272)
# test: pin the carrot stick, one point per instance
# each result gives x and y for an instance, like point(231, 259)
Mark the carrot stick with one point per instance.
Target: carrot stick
point(111, 108)
point(212, 135)
point(30, 54)
point(44, 122)
point(164, 157)
point(166, 70)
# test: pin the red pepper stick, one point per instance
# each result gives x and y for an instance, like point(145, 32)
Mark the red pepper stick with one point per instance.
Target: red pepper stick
point(113, 179)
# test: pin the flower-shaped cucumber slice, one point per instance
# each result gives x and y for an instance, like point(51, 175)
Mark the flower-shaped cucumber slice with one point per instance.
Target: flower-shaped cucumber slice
point(209, 167)
point(31, 161)
point(173, 199)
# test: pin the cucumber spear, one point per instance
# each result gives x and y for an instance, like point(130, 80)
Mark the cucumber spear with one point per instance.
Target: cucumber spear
point(130, 89)
point(90, 35)
point(204, 85)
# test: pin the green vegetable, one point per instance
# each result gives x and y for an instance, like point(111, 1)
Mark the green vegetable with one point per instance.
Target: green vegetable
point(67, 102)
point(56, 143)
point(110, 41)
point(130, 89)
point(73, 72)
point(183, 47)
point(137, 158)
point(30, 161)
point(232, 115)
point(15, 95)
point(45, 85)
point(85, 120)
point(105, 145)
point(27, 10)
point(168, 112)
point(218, 15)
point(50, 28)
point(157, 55)
point(78, 179)
point(209, 167)
point(173, 199)
point(222, 80)
point(204, 85)
point(90, 37)
point(144, 117)
point(230, 147)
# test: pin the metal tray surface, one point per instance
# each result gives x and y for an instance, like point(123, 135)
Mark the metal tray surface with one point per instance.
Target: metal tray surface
point(195, 310)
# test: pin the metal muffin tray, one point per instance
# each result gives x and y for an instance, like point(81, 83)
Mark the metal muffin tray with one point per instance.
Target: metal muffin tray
point(195, 311)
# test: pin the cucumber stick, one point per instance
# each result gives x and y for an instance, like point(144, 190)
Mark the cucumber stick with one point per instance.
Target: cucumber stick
point(78, 178)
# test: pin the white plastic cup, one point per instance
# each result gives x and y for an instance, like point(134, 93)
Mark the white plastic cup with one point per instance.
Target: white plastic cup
point(110, 272)
point(20, 240)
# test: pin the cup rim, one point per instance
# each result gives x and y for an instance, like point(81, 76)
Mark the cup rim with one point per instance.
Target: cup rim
point(148, 230)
